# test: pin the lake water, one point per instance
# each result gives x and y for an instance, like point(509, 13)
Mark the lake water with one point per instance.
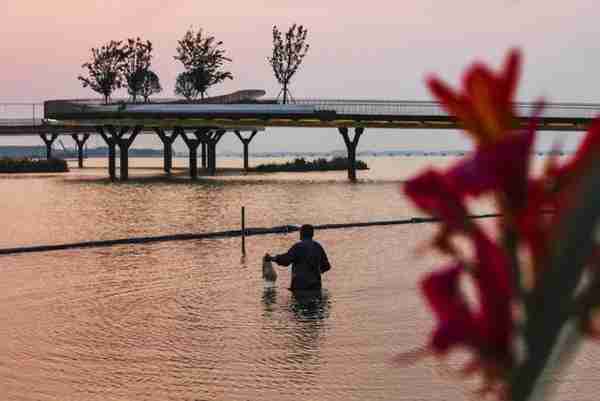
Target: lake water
point(193, 320)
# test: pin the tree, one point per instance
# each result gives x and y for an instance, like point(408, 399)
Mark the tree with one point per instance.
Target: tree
point(138, 57)
point(288, 54)
point(105, 70)
point(184, 86)
point(203, 59)
point(150, 85)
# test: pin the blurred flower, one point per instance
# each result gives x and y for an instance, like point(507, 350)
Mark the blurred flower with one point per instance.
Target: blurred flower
point(485, 107)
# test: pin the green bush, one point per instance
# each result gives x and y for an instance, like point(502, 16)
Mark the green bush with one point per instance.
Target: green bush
point(25, 165)
point(300, 164)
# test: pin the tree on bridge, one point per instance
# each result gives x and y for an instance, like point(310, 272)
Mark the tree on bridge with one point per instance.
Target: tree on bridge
point(138, 57)
point(105, 70)
point(184, 86)
point(288, 54)
point(150, 85)
point(203, 59)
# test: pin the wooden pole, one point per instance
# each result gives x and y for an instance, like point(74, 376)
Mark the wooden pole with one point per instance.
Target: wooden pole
point(243, 231)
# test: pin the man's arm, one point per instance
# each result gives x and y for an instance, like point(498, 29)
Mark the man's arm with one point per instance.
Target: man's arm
point(285, 259)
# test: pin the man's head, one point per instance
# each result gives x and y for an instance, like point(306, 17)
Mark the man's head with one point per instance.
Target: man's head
point(307, 231)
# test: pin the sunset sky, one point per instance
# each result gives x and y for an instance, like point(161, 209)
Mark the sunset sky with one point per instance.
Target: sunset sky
point(379, 49)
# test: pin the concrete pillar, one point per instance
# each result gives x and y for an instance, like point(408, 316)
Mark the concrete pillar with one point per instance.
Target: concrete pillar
point(111, 143)
point(124, 145)
point(80, 142)
point(351, 146)
point(213, 139)
point(114, 138)
point(192, 145)
point(204, 155)
point(246, 143)
point(48, 140)
point(168, 147)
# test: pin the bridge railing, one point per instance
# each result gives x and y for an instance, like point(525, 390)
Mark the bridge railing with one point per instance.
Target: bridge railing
point(21, 113)
point(427, 108)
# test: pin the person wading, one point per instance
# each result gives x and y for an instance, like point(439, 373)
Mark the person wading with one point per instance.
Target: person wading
point(308, 260)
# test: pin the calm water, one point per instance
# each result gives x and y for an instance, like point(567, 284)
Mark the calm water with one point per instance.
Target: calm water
point(193, 320)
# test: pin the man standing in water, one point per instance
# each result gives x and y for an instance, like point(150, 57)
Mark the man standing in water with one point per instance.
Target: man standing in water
point(308, 260)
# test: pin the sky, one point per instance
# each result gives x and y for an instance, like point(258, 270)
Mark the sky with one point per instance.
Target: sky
point(376, 49)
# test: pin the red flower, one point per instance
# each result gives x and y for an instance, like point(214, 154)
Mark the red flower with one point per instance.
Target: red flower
point(486, 106)
point(486, 330)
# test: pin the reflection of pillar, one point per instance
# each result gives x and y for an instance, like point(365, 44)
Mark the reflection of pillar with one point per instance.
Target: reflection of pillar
point(246, 142)
point(351, 146)
point(80, 141)
point(168, 147)
point(48, 140)
point(192, 145)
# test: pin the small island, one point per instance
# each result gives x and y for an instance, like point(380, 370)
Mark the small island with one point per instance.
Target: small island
point(28, 165)
point(302, 165)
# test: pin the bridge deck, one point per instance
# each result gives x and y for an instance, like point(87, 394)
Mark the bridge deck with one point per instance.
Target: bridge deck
point(72, 116)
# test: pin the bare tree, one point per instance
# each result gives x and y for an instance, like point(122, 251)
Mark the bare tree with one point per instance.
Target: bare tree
point(150, 85)
point(288, 54)
point(203, 59)
point(138, 57)
point(105, 70)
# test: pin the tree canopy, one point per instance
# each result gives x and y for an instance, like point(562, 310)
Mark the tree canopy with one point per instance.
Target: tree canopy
point(288, 53)
point(204, 60)
point(105, 70)
point(137, 61)
point(150, 85)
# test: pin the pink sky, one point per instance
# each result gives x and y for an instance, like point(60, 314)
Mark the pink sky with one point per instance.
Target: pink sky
point(375, 48)
point(370, 49)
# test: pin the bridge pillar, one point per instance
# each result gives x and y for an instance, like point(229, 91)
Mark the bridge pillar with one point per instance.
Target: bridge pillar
point(111, 143)
point(211, 138)
point(48, 140)
point(351, 146)
point(192, 145)
point(246, 143)
point(117, 138)
point(168, 147)
point(124, 145)
point(80, 141)
point(204, 155)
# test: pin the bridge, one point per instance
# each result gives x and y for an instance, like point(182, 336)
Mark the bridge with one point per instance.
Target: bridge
point(205, 124)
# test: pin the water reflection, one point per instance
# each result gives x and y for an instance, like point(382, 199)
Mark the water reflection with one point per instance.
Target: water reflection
point(310, 305)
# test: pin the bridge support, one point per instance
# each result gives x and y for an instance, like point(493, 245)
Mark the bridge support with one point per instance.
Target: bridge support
point(80, 141)
point(192, 144)
point(111, 143)
point(116, 138)
point(48, 140)
point(351, 146)
point(211, 138)
point(204, 155)
point(168, 147)
point(246, 143)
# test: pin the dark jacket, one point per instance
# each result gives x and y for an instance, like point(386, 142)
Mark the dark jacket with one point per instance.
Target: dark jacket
point(308, 260)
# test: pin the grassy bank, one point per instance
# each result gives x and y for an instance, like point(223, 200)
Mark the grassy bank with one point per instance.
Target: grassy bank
point(300, 164)
point(24, 165)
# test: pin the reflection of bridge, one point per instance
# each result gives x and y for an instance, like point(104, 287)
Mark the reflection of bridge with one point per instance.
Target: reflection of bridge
point(205, 124)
